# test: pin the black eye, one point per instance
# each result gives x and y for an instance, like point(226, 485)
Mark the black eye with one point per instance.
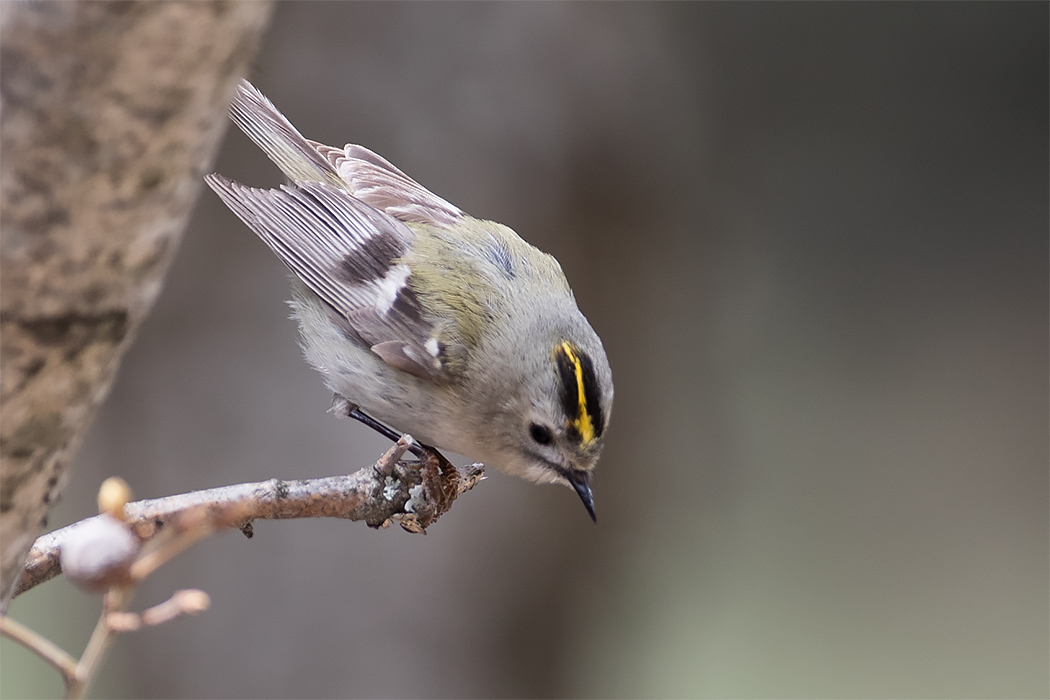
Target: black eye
point(540, 434)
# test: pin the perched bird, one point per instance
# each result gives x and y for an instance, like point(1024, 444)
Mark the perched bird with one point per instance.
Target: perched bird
point(423, 318)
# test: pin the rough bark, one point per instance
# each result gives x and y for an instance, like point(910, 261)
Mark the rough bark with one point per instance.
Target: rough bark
point(415, 493)
point(110, 113)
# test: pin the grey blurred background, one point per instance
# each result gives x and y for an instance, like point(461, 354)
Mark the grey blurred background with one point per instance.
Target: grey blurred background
point(814, 238)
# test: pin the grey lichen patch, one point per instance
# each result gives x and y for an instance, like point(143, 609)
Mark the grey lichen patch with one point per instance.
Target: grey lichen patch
point(416, 499)
point(390, 488)
point(281, 488)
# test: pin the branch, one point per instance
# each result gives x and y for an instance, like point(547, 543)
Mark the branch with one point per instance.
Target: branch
point(416, 493)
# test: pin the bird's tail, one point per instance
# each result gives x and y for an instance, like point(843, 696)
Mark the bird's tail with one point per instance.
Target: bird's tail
point(296, 156)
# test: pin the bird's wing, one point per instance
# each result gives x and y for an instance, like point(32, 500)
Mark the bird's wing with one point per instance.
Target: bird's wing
point(379, 183)
point(349, 254)
point(364, 174)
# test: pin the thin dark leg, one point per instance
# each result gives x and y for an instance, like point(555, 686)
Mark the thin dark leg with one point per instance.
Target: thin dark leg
point(419, 450)
point(385, 431)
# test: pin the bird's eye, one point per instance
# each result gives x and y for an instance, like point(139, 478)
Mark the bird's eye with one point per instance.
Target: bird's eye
point(540, 434)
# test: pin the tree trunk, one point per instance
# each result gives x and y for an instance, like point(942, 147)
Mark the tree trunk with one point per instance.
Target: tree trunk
point(110, 113)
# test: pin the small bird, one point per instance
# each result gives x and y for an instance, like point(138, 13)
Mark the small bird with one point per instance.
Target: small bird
point(423, 319)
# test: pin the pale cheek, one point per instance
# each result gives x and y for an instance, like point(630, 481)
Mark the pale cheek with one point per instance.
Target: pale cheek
point(517, 464)
point(541, 475)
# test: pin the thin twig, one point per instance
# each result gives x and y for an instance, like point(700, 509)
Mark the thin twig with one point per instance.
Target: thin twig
point(164, 549)
point(189, 601)
point(41, 646)
point(116, 600)
point(389, 489)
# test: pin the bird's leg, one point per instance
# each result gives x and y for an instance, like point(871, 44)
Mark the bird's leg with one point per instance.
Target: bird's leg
point(440, 477)
point(351, 410)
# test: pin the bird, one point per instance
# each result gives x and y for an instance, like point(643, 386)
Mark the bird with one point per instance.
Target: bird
point(422, 319)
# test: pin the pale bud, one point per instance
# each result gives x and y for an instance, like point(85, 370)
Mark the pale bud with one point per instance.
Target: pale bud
point(98, 554)
point(113, 495)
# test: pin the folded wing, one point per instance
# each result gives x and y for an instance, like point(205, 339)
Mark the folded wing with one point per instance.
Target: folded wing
point(348, 254)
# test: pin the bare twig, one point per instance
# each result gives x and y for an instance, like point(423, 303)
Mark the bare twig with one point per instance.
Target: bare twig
point(189, 601)
point(193, 525)
point(417, 493)
point(76, 675)
point(129, 541)
point(115, 601)
point(41, 646)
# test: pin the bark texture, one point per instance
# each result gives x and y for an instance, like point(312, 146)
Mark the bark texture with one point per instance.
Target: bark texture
point(415, 493)
point(110, 113)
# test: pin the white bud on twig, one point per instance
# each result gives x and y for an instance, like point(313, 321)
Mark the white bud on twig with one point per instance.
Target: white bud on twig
point(98, 554)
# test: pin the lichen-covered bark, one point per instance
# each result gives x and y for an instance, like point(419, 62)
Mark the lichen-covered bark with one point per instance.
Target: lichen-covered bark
point(110, 112)
point(373, 494)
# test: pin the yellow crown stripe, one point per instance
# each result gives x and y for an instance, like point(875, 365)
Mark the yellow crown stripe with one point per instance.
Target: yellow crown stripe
point(583, 421)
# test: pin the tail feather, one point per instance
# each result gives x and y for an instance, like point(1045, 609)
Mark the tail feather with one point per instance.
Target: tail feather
point(296, 156)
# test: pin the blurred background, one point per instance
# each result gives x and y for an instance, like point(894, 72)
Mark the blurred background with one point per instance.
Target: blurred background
point(814, 238)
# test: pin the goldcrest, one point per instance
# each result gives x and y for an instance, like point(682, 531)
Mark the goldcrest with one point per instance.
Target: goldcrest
point(449, 328)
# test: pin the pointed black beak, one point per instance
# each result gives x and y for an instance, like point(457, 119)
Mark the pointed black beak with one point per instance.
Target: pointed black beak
point(581, 481)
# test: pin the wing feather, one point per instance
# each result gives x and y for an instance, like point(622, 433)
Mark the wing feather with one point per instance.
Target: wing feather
point(349, 255)
point(263, 123)
point(379, 183)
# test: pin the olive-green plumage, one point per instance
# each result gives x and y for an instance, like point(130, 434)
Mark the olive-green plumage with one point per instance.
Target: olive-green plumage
point(447, 265)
